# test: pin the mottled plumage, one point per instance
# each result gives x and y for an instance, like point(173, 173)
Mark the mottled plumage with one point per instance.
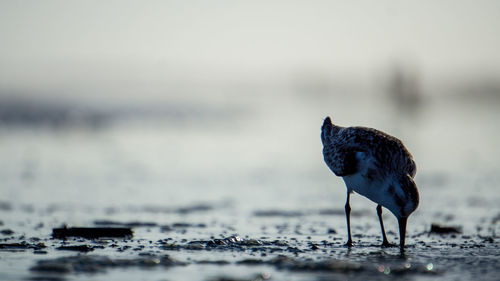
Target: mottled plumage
point(341, 144)
point(373, 164)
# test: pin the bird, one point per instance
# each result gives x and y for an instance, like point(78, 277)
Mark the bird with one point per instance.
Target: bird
point(375, 165)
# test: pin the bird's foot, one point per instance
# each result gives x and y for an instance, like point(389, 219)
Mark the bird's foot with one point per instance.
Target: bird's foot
point(348, 243)
point(386, 244)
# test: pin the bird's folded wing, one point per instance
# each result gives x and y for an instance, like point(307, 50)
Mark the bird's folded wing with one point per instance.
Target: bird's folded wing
point(341, 159)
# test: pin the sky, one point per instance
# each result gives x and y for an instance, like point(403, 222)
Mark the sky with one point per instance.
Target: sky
point(47, 45)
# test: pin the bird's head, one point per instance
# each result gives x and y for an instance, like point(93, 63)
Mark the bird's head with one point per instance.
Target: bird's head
point(405, 200)
point(403, 196)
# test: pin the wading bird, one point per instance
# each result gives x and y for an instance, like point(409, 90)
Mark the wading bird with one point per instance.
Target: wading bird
point(375, 165)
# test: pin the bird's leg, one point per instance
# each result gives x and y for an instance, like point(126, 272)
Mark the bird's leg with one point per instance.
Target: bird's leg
point(402, 232)
point(385, 242)
point(348, 218)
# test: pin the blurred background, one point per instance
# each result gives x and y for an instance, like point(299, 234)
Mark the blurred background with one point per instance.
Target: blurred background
point(105, 104)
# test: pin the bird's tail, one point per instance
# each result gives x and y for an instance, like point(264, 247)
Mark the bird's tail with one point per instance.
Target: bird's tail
point(328, 130)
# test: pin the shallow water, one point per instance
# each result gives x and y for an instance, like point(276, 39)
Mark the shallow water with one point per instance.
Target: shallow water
point(257, 172)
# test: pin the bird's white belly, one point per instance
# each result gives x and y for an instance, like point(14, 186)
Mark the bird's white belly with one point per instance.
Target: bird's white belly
point(364, 186)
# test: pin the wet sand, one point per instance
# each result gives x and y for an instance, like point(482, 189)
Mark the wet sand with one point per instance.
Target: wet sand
point(285, 247)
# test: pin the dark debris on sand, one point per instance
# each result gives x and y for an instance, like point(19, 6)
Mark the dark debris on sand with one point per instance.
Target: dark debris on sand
point(7, 231)
point(92, 232)
point(22, 246)
point(438, 229)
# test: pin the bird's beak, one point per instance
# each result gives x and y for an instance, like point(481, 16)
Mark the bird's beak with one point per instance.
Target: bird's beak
point(402, 232)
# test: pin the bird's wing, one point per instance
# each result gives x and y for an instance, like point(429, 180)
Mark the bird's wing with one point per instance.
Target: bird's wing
point(341, 159)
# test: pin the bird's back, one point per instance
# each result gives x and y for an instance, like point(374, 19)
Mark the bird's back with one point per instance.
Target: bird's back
point(342, 147)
